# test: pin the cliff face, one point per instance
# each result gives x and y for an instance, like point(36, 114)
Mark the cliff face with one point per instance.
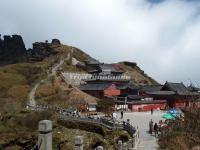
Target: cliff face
point(12, 49)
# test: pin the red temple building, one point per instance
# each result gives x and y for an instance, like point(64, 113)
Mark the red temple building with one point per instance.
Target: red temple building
point(176, 94)
point(108, 81)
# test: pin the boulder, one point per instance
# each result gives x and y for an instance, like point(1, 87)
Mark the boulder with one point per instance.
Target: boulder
point(55, 42)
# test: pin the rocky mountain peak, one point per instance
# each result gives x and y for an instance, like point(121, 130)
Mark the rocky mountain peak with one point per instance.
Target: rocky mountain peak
point(12, 49)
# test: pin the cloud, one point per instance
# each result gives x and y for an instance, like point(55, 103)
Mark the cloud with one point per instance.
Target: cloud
point(162, 36)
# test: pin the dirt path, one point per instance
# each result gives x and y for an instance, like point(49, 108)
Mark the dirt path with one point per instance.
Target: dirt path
point(54, 70)
point(32, 95)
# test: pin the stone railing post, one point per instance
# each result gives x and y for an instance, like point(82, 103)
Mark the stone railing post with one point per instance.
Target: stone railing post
point(124, 146)
point(119, 145)
point(130, 144)
point(137, 135)
point(45, 135)
point(99, 148)
point(78, 143)
point(134, 141)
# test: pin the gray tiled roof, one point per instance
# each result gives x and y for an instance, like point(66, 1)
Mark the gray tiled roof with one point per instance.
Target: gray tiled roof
point(127, 86)
point(179, 88)
point(110, 67)
point(161, 93)
point(193, 88)
point(102, 86)
point(93, 86)
point(151, 88)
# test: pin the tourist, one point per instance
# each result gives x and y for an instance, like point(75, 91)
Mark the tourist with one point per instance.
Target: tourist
point(151, 111)
point(161, 123)
point(122, 114)
point(151, 126)
point(98, 117)
point(155, 129)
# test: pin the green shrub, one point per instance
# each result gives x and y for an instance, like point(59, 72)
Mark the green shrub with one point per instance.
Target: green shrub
point(106, 105)
point(83, 126)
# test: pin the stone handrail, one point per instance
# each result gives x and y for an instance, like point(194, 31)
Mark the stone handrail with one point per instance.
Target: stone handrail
point(63, 115)
point(109, 124)
point(129, 128)
point(103, 122)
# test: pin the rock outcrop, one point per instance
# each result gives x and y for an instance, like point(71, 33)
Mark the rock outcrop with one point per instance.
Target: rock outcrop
point(55, 42)
point(42, 50)
point(12, 49)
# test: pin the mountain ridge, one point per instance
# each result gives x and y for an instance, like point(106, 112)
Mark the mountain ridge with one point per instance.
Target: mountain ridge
point(12, 50)
point(19, 76)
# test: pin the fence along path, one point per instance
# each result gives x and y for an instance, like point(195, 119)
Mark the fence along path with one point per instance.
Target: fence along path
point(63, 115)
point(109, 124)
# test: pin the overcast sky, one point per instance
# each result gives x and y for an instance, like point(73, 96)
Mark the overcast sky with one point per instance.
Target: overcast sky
point(162, 36)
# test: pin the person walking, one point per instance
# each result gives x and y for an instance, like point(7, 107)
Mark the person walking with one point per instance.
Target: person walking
point(151, 111)
point(155, 129)
point(122, 114)
point(151, 126)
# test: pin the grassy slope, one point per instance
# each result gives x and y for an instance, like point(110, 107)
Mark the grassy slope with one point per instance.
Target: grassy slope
point(15, 83)
point(60, 94)
point(137, 75)
point(17, 126)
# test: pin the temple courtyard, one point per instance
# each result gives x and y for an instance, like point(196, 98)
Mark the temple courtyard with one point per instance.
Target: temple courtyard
point(141, 120)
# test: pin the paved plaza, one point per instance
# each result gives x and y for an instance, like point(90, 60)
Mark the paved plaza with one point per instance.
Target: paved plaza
point(141, 120)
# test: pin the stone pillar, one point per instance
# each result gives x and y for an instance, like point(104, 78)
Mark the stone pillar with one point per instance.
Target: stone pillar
point(124, 146)
point(130, 144)
point(45, 135)
point(134, 141)
point(99, 148)
point(119, 145)
point(137, 133)
point(78, 143)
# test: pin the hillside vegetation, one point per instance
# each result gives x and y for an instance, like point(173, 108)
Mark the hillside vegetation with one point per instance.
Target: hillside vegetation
point(15, 83)
point(138, 76)
point(18, 127)
point(182, 134)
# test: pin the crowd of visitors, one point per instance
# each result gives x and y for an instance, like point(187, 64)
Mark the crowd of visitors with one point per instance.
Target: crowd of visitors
point(155, 127)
